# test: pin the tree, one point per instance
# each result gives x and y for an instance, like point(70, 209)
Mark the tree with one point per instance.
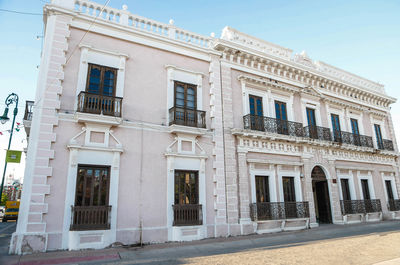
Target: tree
point(4, 198)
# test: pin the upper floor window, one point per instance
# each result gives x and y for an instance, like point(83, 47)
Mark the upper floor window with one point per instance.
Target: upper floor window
point(185, 96)
point(354, 126)
point(311, 117)
point(255, 104)
point(101, 80)
point(336, 127)
point(378, 135)
point(280, 110)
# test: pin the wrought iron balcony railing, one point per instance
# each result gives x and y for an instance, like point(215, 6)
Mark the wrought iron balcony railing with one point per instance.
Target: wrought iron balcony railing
point(272, 125)
point(187, 117)
point(385, 145)
point(353, 139)
point(394, 205)
point(278, 210)
point(187, 214)
point(28, 110)
point(360, 206)
point(317, 132)
point(99, 104)
point(90, 217)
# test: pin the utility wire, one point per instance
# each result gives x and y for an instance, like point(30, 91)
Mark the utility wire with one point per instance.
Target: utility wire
point(20, 12)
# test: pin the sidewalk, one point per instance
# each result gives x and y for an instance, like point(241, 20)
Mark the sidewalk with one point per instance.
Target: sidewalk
point(175, 253)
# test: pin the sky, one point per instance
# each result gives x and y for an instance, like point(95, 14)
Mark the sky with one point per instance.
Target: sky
point(362, 37)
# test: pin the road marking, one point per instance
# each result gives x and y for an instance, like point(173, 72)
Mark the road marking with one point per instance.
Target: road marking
point(7, 227)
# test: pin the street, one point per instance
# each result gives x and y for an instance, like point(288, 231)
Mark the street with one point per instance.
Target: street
point(373, 243)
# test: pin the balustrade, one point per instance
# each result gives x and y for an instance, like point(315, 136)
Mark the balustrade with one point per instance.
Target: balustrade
point(278, 210)
point(360, 206)
point(99, 104)
point(90, 217)
point(187, 214)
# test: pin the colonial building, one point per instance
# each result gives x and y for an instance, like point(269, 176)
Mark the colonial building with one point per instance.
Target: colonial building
point(145, 132)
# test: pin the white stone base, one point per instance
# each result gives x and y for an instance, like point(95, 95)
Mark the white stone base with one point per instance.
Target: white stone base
point(273, 226)
point(353, 218)
point(188, 233)
point(373, 217)
point(94, 239)
point(395, 215)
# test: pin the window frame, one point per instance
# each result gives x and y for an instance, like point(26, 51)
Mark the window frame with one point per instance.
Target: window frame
point(197, 188)
point(185, 87)
point(103, 69)
point(265, 189)
point(92, 167)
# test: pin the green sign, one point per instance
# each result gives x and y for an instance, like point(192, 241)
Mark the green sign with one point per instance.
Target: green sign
point(13, 156)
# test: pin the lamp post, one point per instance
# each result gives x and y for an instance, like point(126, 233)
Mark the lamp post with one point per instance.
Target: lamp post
point(12, 98)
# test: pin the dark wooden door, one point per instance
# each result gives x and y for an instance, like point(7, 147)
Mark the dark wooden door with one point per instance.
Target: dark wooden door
point(281, 117)
point(256, 113)
point(262, 189)
point(324, 209)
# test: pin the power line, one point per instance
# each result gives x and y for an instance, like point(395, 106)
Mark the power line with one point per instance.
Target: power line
point(20, 12)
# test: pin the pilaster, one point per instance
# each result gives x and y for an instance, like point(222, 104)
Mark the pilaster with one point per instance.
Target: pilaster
point(31, 234)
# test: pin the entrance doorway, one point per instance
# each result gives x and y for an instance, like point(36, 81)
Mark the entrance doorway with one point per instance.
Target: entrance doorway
point(321, 196)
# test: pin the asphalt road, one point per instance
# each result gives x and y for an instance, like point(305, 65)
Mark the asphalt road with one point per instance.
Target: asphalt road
point(6, 229)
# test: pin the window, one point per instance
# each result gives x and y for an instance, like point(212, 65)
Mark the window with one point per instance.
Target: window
point(101, 80)
point(256, 113)
point(378, 135)
point(262, 189)
point(345, 189)
point(355, 131)
point(281, 117)
point(185, 96)
point(311, 117)
point(92, 186)
point(336, 128)
point(354, 126)
point(312, 124)
point(389, 190)
point(365, 189)
point(289, 194)
point(186, 187)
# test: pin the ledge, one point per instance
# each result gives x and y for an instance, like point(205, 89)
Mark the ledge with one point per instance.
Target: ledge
point(97, 118)
point(187, 130)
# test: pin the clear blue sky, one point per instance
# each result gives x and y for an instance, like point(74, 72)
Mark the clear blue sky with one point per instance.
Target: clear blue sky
point(362, 37)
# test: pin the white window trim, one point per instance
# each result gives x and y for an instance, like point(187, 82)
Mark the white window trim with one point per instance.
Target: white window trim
point(341, 115)
point(350, 177)
point(307, 103)
point(370, 185)
point(271, 182)
point(359, 118)
point(297, 182)
point(258, 93)
point(392, 183)
point(90, 157)
point(104, 58)
point(381, 123)
point(175, 73)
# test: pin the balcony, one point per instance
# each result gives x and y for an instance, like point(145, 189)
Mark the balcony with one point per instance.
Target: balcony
point(385, 145)
point(272, 125)
point(394, 205)
point(317, 132)
point(28, 110)
point(187, 214)
point(187, 117)
point(99, 104)
point(90, 218)
point(263, 211)
point(353, 139)
point(360, 206)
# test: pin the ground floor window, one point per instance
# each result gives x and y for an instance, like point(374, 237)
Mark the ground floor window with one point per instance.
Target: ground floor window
point(389, 190)
point(92, 186)
point(91, 210)
point(365, 189)
point(289, 194)
point(345, 189)
point(187, 210)
point(262, 189)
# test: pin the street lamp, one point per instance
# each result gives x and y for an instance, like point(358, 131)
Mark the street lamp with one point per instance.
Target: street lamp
point(12, 98)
